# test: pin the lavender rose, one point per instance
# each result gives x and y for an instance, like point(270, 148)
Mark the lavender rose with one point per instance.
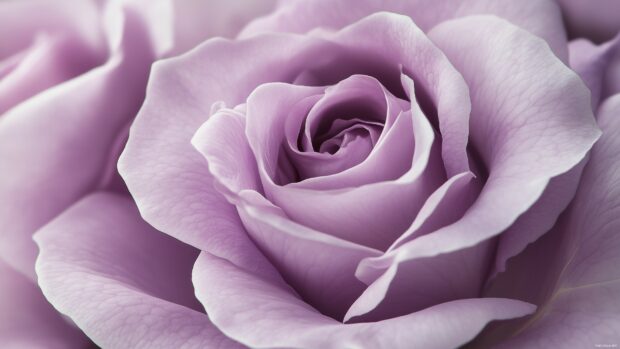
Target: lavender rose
point(358, 174)
point(72, 77)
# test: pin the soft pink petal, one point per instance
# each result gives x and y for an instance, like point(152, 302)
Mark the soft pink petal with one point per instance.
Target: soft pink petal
point(541, 17)
point(27, 320)
point(260, 315)
point(122, 282)
point(583, 310)
point(61, 142)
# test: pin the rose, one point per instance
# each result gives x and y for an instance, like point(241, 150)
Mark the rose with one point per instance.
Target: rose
point(272, 274)
point(72, 77)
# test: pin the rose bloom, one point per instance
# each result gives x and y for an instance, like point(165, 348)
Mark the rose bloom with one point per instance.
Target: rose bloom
point(344, 174)
point(72, 77)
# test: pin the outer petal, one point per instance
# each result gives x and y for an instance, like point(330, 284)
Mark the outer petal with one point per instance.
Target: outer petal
point(62, 140)
point(583, 311)
point(49, 61)
point(541, 17)
point(21, 21)
point(122, 282)
point(27, 320)
point(526, 131)
point(260, 315)
point(512, 127)
point(598, 66)
point(196, 20)
point(595, 19)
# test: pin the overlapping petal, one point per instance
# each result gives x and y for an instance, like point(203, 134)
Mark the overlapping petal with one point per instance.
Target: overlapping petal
point(598, 66)
point(63, 148)
point(598, 20)
point(122, 282)
point(169, 180)
point(510, 134)
point(582, 310)
point(27, 320)
point(235, 298)
point(540, 17)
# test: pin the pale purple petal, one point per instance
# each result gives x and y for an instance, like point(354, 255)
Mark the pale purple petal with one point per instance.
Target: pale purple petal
point(235, 299)
point(27, 320)
point(583, 309)
point(540, 17)
point(25, 19)
point(595, 19)
point(122, 282)
point(196, 20)
point(62, 140)
point(513, 139)
point(598, 66)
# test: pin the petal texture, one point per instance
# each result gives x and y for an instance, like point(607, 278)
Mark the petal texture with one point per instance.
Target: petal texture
point(27, 320)
point(541, 17)
point(279, 319)
point(510, 136)
point(582, 311)
point(122, 282)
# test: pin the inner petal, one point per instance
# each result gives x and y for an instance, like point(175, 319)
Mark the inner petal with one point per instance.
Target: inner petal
point(338, 129)
point(358, 97)
point(347, 149)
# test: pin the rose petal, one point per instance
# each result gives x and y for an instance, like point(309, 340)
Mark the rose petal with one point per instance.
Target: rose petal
point(595, 19)
point(61, 141)
point(196, 20)
point(25, 19)
point(535, 222)
point(27, 320)
point(566, 126)
point(541, 17)
point(598, 66)
point(447, 204)
point(122, 282)
point(583, 309)
point(259, 315)
point(514, 126)
point(50, 61)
